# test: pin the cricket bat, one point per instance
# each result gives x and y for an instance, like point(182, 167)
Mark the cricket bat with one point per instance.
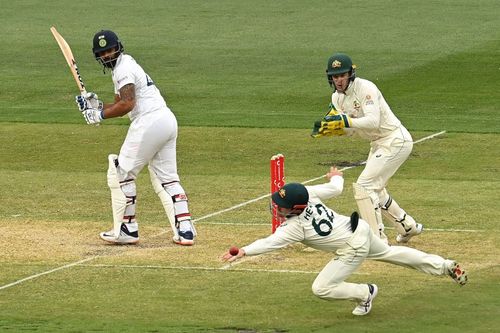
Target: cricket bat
point(70, 59)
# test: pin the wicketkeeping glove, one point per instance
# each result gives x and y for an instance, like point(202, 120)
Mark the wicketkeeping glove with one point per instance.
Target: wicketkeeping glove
point(92, 116)
point(332, 124)
point(88, 101)
point(321, 129)
point(331, 110)
point(337, 121)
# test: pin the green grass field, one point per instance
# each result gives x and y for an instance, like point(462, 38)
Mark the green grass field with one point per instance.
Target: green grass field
point(246, 81)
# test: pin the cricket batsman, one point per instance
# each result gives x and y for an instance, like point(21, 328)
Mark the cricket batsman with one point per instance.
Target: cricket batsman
point(358, 107)
point(308, 220)
point(151, 140)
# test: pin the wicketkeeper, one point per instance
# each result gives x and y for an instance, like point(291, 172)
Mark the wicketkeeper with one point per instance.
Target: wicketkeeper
point(358, 107)
point(309, 221)
point(151, 140)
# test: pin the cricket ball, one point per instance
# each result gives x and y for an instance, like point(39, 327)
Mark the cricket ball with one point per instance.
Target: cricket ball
point(234, 250)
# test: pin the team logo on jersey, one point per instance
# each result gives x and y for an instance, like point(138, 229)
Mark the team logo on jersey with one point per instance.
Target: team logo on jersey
point(356, 105)
point(102, 42)
point(282, 193)
point(336, 64)
point(369, 100)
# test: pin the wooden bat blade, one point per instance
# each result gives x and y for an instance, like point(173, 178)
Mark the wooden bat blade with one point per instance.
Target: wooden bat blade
point(70, 59)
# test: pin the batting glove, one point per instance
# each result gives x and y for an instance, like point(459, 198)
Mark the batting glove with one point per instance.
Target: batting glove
point(92, 116)
point(88, 101)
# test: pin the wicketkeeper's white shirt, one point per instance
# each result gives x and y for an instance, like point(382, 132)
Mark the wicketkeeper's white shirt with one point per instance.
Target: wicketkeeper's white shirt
point(371, 116)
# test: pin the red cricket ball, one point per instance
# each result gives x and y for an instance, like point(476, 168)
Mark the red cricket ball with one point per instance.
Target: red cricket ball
point(234, 250)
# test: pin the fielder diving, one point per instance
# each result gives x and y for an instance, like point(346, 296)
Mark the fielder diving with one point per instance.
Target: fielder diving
point(358, 107)
point(308, 220)
point(151, 140)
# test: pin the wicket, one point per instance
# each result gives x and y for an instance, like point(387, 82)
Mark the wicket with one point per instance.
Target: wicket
point(277, 181)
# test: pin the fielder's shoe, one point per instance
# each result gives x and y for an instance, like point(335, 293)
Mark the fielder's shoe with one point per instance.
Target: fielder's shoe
point(129, 234)
point(185, 238)
point(457, 273)
point(417, 230)
point(364, 307)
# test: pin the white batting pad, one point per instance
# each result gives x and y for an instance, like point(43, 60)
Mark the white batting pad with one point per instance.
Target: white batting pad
point(118, 198)
point(367, 209)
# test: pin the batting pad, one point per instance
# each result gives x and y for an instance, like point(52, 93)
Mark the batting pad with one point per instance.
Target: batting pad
point(367, 208)
point(166, 201)
point(118, 198)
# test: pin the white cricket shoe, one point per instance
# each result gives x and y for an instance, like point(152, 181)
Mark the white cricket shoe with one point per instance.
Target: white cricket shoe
point(185, 238)
point(364, 307)
point(457, 273)
point(129, 234)
point(417, 230)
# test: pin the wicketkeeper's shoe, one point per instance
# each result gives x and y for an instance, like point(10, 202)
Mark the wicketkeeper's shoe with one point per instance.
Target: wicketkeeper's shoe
point(364, 307)
point(129, 234)
point(417, 230)
point(185, 238)
point(457, 273)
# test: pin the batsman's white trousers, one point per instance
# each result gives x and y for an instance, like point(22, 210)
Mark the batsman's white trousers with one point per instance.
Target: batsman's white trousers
point(385, 157)
point(329, 283)
point(151, 138)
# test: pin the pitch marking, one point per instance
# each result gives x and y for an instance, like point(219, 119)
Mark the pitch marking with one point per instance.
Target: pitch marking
point(195, 268)
point(47, 272)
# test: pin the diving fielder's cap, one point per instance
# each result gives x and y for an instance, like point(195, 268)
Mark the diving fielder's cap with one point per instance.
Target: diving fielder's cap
point(339, 63)
point(292, 196)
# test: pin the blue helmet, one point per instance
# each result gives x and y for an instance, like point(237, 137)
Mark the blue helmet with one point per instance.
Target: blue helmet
point(105, 40)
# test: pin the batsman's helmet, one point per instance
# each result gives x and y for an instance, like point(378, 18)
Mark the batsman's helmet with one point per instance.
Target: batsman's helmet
point(292, 196)
point(105, 40)
point(339, 63)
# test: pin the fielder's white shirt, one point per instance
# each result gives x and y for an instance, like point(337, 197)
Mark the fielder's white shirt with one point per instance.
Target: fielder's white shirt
point(317, 226)
point(372, 118)
point(148, 97)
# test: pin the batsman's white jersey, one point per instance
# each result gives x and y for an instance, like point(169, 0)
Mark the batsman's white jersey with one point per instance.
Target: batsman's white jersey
point(322, 228)
point(153, 131)
point(148, 97)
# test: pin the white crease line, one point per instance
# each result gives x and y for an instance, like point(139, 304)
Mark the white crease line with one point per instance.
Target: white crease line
point(254, 270)
point(194, 220)
point(47, 272)
point(243, 224)
point(230, 265)
point(429, 137)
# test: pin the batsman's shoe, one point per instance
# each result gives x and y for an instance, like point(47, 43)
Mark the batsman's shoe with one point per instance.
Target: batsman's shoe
point(415, 231)
point(129, 234)
point(185, 238)
point(457, 273)
point(364, 307)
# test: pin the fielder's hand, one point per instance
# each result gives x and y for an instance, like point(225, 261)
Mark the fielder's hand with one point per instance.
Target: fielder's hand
point(92, 116)
point(88, 101)
point(333, 172)
point(230, 258)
